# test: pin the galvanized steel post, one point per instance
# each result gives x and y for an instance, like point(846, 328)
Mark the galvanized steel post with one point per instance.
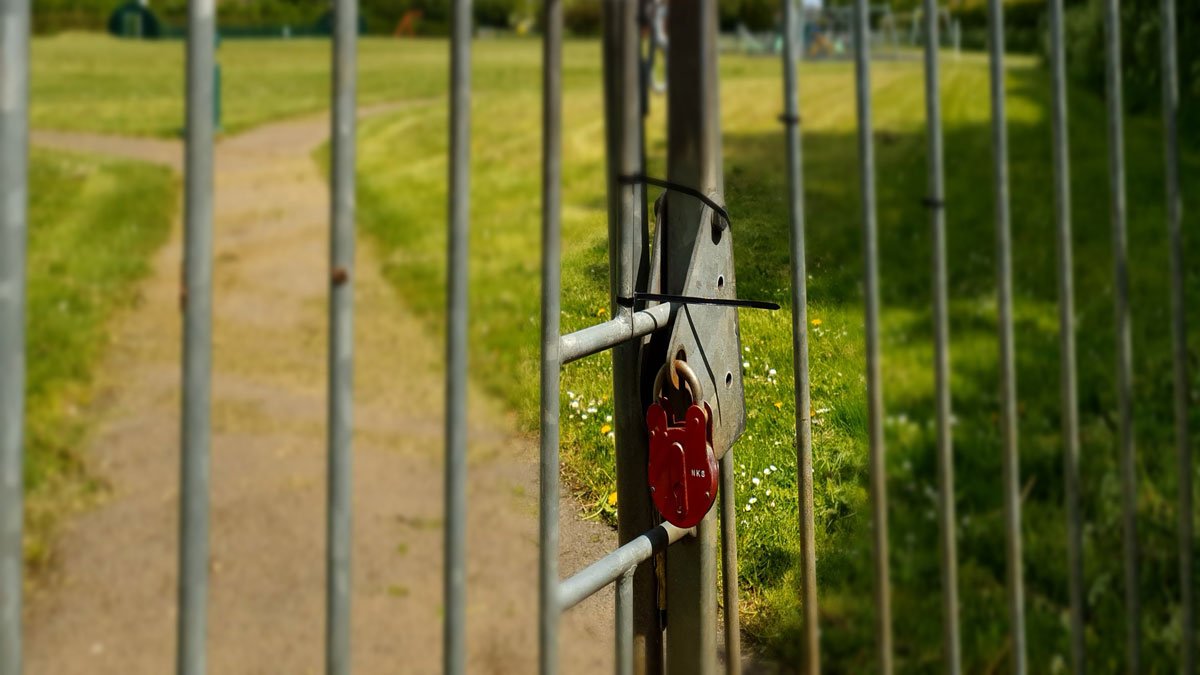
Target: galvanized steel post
point(792, 20)
point(1170, 111)
point(693, 159)
point(340, 418)
point(935, 202)
point(548, 494)
point(628, 268)
point(878, 464)
point(729, 567)
point(1124, 346)
point(197, 340)
point(455, 565)
point(1008, 373)
point(14, 201)
point(1066, 327)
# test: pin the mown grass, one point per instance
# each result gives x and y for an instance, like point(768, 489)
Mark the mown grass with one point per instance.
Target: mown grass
point(93, 226)
point(402, 203)
point(93, 83)
point(88, 82)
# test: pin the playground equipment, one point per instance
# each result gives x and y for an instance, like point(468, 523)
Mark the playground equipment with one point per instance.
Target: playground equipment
point(825, 32)
point(407, 26)
point(949, 28)
point(133, 19)
point(674, 306)
point(654, 21)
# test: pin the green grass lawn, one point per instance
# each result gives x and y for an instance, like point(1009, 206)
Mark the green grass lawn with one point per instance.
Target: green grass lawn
point(93, 83)
point(86, 82)
point(403, 209)
point(93, 225)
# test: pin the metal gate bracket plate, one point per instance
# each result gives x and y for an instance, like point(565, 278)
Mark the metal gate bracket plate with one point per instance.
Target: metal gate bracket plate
point(709, 335)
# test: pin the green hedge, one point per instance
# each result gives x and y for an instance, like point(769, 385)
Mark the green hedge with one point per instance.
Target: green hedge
point(582, 17)
point(1026, 29)
point(757, 15)
point(1141, 57)
point(1024, 26)
point(267, 17)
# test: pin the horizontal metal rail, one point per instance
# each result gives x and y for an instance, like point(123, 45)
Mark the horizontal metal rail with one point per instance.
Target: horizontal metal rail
point(602, 336)
point(608, 569)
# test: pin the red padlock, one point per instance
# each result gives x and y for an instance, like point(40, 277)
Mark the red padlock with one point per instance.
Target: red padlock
point(683, 467)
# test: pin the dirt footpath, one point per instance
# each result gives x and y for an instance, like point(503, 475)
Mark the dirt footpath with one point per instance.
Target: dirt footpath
point(108, 605)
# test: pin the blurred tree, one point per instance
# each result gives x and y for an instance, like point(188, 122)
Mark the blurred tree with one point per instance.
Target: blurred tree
point(582, 17)
point(1141, 58)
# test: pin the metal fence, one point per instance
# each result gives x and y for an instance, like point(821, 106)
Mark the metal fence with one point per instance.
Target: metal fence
point(650, 301)
point(627, 333)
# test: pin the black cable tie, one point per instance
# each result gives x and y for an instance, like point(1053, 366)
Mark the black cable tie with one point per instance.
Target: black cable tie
point(695, 300)
point(790, 120)
point(931, 203)
point(640, 179)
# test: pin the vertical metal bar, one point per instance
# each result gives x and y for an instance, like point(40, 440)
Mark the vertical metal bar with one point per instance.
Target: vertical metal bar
point(197, 340)
point(1116, 174)
point(878, 466)
point(548, 608)
point(628, 270)
point(341, 339)
point(1008, 373)
point(217, 88)
point(1066, 324)
point(729, 567)
point(1170, 93)
point(792, 18)
point(692, 601)
point(952, 649)
point(1070, 406)
point(14, 201)
point(693, 158)
point(624, 590)
point(454, 627)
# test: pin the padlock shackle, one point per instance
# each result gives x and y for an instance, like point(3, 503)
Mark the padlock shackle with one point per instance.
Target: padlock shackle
point(689, 376)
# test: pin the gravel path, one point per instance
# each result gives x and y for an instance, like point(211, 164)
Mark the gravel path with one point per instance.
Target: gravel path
point(108, 603)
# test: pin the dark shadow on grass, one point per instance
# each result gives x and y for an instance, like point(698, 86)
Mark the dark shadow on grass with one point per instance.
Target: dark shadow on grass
point(756, 195)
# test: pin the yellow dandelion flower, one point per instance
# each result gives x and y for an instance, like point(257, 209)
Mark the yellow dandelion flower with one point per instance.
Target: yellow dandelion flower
point(612, 498)
point(816, 322)
point(606, 428)
point(779, 405)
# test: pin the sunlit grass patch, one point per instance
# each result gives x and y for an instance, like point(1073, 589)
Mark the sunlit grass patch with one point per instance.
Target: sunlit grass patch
point(93, 226)
point(403, 200)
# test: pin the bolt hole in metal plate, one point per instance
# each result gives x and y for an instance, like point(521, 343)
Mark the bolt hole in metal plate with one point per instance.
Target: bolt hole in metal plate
point(715, 223)
point(708, 334)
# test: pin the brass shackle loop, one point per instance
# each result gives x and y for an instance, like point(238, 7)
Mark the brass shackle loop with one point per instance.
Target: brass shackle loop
point(689, 377)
